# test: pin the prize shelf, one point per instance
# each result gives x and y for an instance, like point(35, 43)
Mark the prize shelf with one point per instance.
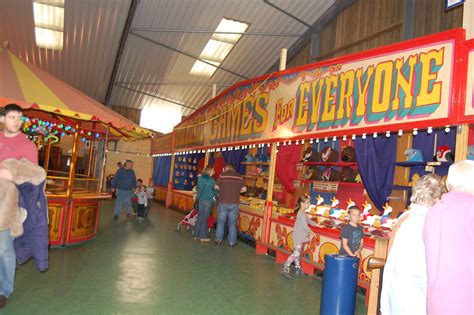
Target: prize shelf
point(309, 181)
point(412, 164)
point(255, 177)
point(342, 164)
point(255, 163)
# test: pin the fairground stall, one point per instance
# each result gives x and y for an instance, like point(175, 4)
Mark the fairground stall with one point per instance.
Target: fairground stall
point(70, 130)
point(161, 152)
point(358, 129)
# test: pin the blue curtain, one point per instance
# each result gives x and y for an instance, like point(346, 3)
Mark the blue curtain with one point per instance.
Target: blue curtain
point(234, 157)
point(376, 159)
point(161, 170)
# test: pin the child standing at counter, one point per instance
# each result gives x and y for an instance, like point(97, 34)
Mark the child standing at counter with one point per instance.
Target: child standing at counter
point(300, 236)
point(352, 234)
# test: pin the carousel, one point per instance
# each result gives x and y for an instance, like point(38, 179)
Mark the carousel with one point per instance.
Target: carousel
point(71, 131)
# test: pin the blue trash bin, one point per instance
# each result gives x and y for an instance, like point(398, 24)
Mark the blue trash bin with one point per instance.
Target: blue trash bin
point(338, 294)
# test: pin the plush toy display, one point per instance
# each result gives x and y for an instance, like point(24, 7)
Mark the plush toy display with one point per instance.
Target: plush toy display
point(262, 157)
point(328, 154)
point(348, 154)
point(348, 175)
point(331, 174)
point(470, 152)
point(444, 154)
point(414, 155)
point(309, 155)
point(249, 158)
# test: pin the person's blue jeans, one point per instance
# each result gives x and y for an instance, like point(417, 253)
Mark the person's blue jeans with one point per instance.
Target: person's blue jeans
point(204, 209)
point(124, 197)
point(7, 263)
point(227, 212)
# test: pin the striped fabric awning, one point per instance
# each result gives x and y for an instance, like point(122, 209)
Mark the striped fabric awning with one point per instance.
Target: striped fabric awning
point(46, 97)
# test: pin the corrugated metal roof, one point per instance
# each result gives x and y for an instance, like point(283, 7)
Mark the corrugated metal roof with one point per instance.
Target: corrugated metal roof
point(92, 37)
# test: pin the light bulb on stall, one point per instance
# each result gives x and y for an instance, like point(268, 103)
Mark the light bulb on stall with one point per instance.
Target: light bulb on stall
point(317, 140)
point(334, 139)
point(326, 139)
point(311, 141)
point(344, 138)
point(447, 129)
point(302, 141)
point(430, 130)
point(400, 133)
point(364, 136)
point(415, 131)
point(375, 135)
point(387, 134)
point(353, 137)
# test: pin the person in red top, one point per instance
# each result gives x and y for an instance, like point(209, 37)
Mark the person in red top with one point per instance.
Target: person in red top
point(13, 145)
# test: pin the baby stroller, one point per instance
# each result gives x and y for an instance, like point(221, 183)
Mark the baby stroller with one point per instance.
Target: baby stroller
point(190, 220)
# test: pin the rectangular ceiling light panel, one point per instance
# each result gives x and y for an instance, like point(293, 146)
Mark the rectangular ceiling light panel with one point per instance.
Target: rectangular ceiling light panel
point(230, 26)
point(49, 23)
point(218, 47)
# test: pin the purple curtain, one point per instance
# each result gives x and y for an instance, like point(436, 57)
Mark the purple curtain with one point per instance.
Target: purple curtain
point(234, 157)
point(376, 159)
point(161, 170)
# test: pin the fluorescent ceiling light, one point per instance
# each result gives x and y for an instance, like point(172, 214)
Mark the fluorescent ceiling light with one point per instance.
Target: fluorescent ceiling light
point(49, 23)
point(216, 50)
point(47, 16)
point(46, 38)
point(203, 69)
point(218, 47)
point(230, 26)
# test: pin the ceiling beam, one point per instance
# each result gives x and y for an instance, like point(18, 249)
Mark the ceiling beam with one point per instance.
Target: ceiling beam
point(154, 96)
point(186, 54)
point(123, 41)
point(173, 83)
point(164, 30)
point(286, 13)
point(313, 32)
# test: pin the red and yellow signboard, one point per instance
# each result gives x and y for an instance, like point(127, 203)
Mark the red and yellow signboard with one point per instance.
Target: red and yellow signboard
point(411, 84)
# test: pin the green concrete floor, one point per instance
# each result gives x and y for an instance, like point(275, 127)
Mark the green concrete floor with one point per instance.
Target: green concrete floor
point(147, 268)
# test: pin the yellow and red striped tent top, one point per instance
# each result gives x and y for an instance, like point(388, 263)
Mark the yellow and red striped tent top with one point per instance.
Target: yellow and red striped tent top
point(45, 97)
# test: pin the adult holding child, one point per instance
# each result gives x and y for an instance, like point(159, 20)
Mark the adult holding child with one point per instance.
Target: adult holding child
point(404, 277)
point(205, 198)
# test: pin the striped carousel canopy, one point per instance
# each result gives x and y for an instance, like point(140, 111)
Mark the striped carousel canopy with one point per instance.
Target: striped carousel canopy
point(45, 97)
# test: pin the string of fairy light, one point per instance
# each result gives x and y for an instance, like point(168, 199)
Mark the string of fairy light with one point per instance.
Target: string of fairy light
point(364, 136)
point(33, 127)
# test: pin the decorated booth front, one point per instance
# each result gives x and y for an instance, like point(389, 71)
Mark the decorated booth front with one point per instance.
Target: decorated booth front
point(356, 130)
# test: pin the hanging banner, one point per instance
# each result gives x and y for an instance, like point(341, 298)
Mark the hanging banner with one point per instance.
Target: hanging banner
point(407, 85)
point(161, 144)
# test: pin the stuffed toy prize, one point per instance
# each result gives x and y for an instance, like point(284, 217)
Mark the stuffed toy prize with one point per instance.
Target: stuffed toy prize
point(470, 152)
point(414, 155)
point(444, 154)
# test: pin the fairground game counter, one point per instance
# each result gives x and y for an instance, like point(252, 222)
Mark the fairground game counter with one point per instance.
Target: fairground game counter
point(358, 129)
